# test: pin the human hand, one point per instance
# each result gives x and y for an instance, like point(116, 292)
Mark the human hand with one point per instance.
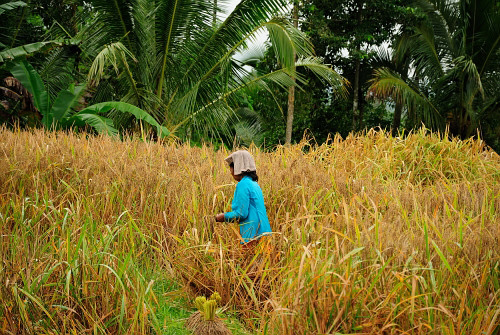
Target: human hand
point(219, 217)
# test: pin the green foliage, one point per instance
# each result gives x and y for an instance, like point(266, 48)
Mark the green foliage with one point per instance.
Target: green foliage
point(207, 306)
point(346, 33)
point(176, 65)
point(27, 75)
point(99, 123)
point(127, 108)
point(169, 59)
point(11, 5)
point(29, 49)
point(62, 113)
point(200, 302)
point(21, 33)
point(454, 52)
point(388, 83)
point(319, 110)
point(333, 29)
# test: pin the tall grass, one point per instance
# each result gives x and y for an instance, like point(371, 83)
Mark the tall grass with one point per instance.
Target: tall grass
point(373, 234)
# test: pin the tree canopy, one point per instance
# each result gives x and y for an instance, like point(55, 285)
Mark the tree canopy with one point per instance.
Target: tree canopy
point(358, 64)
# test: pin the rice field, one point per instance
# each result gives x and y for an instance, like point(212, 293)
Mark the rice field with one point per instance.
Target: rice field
point(372, 235)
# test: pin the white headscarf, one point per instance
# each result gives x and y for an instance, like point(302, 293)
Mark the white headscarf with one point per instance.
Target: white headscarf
point(243, 161)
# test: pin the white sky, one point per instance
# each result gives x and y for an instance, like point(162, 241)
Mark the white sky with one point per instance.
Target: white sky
point(227, 6)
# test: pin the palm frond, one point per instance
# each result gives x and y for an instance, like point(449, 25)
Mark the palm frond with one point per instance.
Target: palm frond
point(325, 73)
point(116, 19)
point(229, 74)
point(288, 42)
point(111, 55)
point(100, 123)
point(144, 23)
point(237, 77)
point(173, 19)
point(11, 5)
point(426, 55)
point(128, 108)
point(251, 55)
point(383, 57)
point(212, 117)
point(441, 23)
point(244, 20)
point(185, 70)
point(185, 105)
point(248, 132)
point(487, 38)
point(386, 84)
point(56, 71)
point(474, 83)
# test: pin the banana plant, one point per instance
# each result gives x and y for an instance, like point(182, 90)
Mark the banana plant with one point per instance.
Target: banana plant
point(62, 112)
point(12, 54)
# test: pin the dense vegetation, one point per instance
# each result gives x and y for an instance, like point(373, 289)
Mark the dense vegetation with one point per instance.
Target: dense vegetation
point(172, 59)
point(408, 62)
point(372, 233)
point(115, 118)
point(199, 72)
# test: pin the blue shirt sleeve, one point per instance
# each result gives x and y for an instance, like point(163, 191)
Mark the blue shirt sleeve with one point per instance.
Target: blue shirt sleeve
point(240, 204)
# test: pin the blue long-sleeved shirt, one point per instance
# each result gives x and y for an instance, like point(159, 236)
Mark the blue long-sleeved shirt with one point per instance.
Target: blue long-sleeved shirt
point(248, 208)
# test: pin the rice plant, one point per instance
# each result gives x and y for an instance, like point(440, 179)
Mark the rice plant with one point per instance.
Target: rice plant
point(373, 234)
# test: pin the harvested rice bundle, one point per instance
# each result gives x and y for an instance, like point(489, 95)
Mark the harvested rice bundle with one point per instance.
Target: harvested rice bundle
point(204, 321)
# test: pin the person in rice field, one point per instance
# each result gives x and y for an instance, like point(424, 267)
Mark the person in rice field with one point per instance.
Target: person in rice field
point(248, 207)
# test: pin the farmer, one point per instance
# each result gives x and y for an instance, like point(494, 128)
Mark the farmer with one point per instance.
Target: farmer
point(248, 203)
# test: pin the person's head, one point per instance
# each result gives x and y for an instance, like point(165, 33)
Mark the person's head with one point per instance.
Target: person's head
point(242, 164)
point(238, 177)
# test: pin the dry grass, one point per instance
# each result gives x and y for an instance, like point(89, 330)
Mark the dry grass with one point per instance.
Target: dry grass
point(374, 235)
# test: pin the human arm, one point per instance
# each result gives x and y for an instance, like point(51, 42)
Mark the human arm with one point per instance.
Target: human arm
point(240, 204)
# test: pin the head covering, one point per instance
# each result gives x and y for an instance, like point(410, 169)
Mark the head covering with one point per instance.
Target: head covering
point(243, 161)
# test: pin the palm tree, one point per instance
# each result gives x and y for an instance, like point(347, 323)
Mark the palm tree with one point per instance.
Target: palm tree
point(398, 63)
point(168, 58)
point(455, 58)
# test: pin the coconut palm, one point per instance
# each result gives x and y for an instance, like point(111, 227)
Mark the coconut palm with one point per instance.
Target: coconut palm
point(455, 57)
point(168, 58)
point(398, 63)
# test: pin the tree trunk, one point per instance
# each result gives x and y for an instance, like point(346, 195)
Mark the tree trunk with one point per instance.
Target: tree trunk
point(398, 111)
point(214, 18)
point(356, 115)
point(396, 120)
point(289, 115)
point(361, 108)
point(291, 89)
point(355, 101)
